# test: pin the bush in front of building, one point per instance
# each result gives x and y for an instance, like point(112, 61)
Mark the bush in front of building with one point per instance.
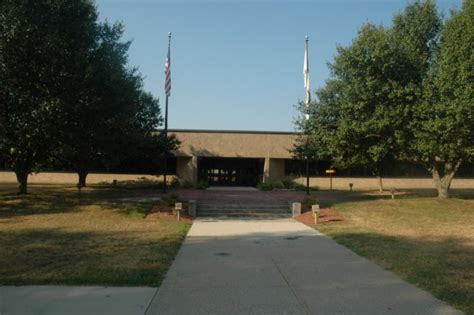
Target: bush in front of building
point(265, 186)
point(285, 184)
point(308, 202)
point(202, 185)
point(301, 187)
point(291, 184)
point(278, 185)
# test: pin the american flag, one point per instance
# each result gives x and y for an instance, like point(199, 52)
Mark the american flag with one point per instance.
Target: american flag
point(168, 73)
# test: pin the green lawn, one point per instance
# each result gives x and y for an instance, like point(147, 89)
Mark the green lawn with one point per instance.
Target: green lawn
point(428, 242)
point(57, 236)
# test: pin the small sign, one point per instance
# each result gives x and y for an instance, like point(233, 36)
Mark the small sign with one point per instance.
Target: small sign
point(331, 171)
point(178, 206)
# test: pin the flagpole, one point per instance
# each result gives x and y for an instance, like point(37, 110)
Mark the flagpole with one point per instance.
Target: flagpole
point(165, 162)
point(308, 98)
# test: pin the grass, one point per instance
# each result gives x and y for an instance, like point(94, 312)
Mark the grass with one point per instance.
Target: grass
point(56, 235)
point(427, 241)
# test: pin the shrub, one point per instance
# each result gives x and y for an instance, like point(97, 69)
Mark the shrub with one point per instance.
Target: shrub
point(174, 183)
point(298, 186)
point(288, 183)
point(186, 184)
point(278, 185)
point(140, 183)
point(202, 185)
point(265, 186)
point(169, 200)
point(308, 202)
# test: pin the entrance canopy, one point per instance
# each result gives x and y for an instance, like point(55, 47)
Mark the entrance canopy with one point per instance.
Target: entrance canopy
point(232, 158)
point(230, 171)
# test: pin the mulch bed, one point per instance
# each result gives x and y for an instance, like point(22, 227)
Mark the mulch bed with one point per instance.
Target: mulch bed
point(168, 215)
point(327, 215)
point(161, 212)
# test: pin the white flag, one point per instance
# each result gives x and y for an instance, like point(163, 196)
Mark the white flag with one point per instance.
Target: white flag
point(306, 78)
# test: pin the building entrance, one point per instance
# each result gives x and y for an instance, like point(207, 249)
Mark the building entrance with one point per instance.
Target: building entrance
point(230, 171)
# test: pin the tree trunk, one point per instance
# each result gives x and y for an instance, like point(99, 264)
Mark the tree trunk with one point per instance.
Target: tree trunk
point(22, 178)
point(82, 178)
point(380, 184)
point(443, 178)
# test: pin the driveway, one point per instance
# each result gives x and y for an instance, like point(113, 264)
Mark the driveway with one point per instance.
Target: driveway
point(248, 266)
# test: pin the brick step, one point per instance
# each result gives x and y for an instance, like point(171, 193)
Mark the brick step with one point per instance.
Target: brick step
point(243, 207)
point(243, 211)
point(256, 208)
point(248, 209)
point(245, 214)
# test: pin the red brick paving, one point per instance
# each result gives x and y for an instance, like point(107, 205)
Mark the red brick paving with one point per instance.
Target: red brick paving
point(242, 196)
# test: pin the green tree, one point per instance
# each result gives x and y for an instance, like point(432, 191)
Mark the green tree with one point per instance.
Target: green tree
point(443, 121)
point(39, 41)
point(367, 79)
point(317, 138)
point(376, 83)
point(109, 117)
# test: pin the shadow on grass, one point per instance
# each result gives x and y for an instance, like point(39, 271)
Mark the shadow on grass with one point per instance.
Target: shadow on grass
point(331, 198)
point(56, 256)
point(443, 267)
point(50, 200)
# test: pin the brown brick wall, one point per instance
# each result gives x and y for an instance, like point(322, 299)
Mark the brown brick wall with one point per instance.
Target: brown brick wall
point(222, 144)
point(323, 182)
point(372, 183)
point(71, 178)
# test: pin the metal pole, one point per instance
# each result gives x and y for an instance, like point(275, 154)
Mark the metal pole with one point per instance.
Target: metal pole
point(306, 116)
point(165, 162)
point(307, 175)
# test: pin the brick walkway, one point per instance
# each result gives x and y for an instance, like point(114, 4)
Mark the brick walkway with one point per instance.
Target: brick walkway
point(242, 196)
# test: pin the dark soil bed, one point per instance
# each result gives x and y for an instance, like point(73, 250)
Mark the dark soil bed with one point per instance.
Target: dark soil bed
point(327, 215)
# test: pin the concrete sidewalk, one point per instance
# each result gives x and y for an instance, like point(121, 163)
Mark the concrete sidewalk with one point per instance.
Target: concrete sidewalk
point(52, 300)
point(280, 267)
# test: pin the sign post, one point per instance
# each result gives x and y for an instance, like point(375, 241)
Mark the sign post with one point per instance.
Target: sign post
point(330, 172)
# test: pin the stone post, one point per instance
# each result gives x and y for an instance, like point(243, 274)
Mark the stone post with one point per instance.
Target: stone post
point(192, 208)
point(296, 209)
point(316, 211)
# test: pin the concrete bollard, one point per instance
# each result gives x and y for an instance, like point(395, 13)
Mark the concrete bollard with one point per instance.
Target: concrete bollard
point(192, 208)
point(296, 209)
point(316, 211)
point(178, 206)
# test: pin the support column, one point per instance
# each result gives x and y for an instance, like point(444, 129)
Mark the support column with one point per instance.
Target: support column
point(187, 169)
point(194, 169)
point(266, 170)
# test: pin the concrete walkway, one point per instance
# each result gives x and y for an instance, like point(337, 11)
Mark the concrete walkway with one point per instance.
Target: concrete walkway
point(280, 267)
point(70, 300)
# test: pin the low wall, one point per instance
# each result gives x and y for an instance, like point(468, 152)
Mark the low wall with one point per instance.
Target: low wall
point(322, 182)
point(373, 183)
point(71, 178)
